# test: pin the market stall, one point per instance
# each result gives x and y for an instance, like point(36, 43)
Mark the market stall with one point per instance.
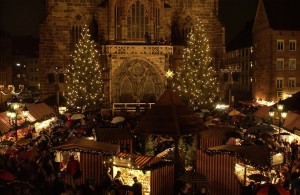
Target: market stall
point(239, 163)
point(90, 154)
point(156, 175)
point(120, 136)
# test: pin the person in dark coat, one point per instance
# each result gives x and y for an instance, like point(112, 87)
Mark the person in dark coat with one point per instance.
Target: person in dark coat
point(107, 181)
point(137, 187)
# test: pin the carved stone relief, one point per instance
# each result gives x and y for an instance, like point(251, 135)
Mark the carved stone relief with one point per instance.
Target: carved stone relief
point(137, 80)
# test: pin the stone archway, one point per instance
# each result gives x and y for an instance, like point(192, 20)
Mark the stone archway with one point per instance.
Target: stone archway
point(136, 80)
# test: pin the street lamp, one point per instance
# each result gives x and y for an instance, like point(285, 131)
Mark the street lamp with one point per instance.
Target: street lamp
point(169, 75)
point(281, 114)
point(12, 114)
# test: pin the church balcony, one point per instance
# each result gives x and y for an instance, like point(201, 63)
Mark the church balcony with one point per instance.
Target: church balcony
point(139, 49)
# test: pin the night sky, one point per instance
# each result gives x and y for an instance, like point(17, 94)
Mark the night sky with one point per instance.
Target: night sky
point(22, 17)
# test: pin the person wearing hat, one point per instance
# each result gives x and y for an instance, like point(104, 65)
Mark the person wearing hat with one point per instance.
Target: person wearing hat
point(137, 187)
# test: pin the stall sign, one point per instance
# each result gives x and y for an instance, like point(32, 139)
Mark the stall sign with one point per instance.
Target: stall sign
point(122, 162)
point(277, 159)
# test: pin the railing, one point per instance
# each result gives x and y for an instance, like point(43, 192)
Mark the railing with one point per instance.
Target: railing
point(139, 49)
point(131, 107)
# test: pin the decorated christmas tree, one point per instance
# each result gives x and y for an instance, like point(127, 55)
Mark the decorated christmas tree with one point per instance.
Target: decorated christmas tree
point(195, 80)
point(84, 79)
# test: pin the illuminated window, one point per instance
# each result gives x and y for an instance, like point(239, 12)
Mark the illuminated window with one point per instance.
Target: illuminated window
point(280, 45)
point(292, 45)
point(279, 83)
point(280, 64)
point(133, 23)
point(292, 64)
point(292, 82)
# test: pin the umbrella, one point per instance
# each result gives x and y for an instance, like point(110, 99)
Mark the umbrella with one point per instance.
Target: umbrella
point(59, 121)
point(22, 184)
point(3, 150)
point(284, 133)
point(259, 142)
point(234, 134)
point(258, 177)
point(247, 143)
point(297, 161)
point(210, 123)
point(22, 142)
point(6, 176)
point(117, 119)
point(77, 116)
point(234, 113)
point(6, 143)
point(272, 189)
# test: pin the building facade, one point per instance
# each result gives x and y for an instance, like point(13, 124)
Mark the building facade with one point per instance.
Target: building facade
point(238, 71)
point(139, 40)
point(276, 55)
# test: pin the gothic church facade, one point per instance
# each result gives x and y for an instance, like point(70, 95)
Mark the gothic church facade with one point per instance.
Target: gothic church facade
point(139, 40)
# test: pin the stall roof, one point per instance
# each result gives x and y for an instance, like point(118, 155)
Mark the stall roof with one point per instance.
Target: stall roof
point(217, 132)
point(142, 161)
point(292, 121)
point(40, 110)
point(86, 145)
point(170, 116)
point(255, 155)
point(262, 112)
point(110, 134)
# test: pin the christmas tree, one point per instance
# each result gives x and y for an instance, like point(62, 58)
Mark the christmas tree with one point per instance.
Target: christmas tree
point(84, 79)
point(195, 80)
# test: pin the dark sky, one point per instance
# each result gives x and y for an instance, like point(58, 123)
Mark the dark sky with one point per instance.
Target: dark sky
point(22, 17)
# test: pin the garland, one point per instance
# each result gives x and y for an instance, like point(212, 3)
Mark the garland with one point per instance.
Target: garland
point(239, 156)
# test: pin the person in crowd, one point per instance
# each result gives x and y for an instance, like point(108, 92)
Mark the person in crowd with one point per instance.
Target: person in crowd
point(107, 181)
point(137, 187)
point(119, 177)
point(73, 168)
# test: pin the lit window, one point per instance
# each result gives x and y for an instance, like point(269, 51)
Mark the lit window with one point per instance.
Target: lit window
point(292, 45)
point(292, 82)
point(292, 64)
point(279, 83)
point(280, 45)
point(280, 64)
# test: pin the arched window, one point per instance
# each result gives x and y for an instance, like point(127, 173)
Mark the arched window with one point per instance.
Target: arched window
point(187, 27)
point(76, 31)
point(136, 20)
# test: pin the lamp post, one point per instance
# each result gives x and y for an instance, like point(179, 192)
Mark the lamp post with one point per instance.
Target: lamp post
point(13, 114)
point(281, 114)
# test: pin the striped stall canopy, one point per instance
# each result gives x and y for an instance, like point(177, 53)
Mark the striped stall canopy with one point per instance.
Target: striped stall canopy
point(140, 161)
point(5, 125)
point(120, 136)
point(162, 173)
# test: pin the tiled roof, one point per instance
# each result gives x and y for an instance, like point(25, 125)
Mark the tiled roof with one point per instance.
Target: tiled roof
point(283, 14)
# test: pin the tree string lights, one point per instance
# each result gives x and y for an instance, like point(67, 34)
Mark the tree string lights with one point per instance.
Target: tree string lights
point(84, 80)
point(196, 79)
